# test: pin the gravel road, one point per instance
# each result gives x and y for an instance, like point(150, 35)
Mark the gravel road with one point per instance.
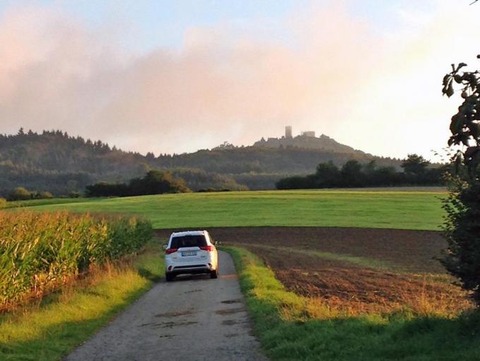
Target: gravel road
point(193, 318)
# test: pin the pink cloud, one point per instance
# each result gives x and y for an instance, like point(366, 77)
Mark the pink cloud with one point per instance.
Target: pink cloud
point(221, 85)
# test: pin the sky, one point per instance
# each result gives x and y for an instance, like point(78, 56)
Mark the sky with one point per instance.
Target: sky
point(176, 76)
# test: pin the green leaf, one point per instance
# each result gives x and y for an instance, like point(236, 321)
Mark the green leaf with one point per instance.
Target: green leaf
point(447, 85)
point(454, 139)
point(460, 66)
point(457, 124)
point(475, 129)
point(449, 92)
point(472, 153)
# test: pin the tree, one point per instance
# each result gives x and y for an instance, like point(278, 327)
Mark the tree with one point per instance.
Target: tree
point(462, 224)
point(42, 195)
point(327, 175)
point(465, 125)
point(104, 189)
point(20, 194)
point(351, 174)
point(157, 182)
point(415, 164)
point(154, 182)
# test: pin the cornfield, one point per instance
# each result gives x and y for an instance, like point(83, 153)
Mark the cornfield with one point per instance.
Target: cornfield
point(41, 251)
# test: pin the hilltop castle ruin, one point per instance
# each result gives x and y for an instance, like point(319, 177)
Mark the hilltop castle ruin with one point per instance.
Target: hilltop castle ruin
point(306, 139)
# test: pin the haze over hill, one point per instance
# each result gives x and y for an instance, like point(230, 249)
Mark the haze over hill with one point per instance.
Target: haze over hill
point(61, 164)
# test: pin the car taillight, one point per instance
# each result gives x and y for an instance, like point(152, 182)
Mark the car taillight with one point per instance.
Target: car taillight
point(171, 250)
point(207, 248)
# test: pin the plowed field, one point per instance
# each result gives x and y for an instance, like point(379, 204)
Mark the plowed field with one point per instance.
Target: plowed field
point(352, 269)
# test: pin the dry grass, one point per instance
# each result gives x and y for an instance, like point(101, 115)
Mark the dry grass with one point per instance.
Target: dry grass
point(352, 290)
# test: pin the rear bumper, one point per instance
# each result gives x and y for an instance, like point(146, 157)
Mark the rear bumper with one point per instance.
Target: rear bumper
point(189, 269)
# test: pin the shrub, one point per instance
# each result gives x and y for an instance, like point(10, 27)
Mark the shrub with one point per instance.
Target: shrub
point(20, 194)
point(462, 226)
point(43, 195)
point(462, 231)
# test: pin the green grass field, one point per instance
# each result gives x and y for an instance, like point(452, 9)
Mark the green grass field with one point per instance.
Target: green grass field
point(417, 210)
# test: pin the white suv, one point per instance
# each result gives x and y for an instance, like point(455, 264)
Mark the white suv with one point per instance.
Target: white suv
point(190, 252)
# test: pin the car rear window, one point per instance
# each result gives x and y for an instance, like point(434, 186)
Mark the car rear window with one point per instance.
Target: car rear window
point(188, 241)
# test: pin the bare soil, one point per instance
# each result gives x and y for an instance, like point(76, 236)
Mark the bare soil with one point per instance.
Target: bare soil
point(399, 268)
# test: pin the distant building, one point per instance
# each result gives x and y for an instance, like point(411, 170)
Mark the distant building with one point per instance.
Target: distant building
point(288, 132)
point(309, 134)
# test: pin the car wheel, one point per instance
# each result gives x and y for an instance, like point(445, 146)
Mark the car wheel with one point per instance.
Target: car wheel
point(213, 274)
point(169, 277)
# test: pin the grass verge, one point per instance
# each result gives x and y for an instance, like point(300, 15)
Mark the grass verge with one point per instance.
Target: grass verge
point(291, 327)
point(62, 321)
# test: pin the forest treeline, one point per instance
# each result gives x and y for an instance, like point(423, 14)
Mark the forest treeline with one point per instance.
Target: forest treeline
point(154, 182)
point(64, 165)
point(416, 171)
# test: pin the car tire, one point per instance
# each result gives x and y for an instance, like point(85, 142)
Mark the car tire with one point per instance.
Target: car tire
point(213, 274)
point(169, 277)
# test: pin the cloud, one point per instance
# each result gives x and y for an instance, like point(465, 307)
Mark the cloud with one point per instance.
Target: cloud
point(56, 72)
point(322, 68)
point(221, 85)
point(407, 110)
point(225, 85)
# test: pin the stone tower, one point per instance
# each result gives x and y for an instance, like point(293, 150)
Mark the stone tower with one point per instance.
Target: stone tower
point(288, 132)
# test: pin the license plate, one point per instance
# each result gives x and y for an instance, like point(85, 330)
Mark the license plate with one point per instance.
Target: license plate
point(189, 253)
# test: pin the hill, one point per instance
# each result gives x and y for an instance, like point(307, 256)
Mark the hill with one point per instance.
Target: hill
point(307, 140)
point(61, 164)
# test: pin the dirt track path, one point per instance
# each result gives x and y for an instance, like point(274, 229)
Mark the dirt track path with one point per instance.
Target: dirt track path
point(193, 318)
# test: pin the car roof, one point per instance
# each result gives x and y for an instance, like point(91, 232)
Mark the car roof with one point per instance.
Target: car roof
point(188, 233)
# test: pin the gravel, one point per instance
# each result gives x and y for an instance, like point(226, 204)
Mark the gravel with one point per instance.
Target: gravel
point(192, 318)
